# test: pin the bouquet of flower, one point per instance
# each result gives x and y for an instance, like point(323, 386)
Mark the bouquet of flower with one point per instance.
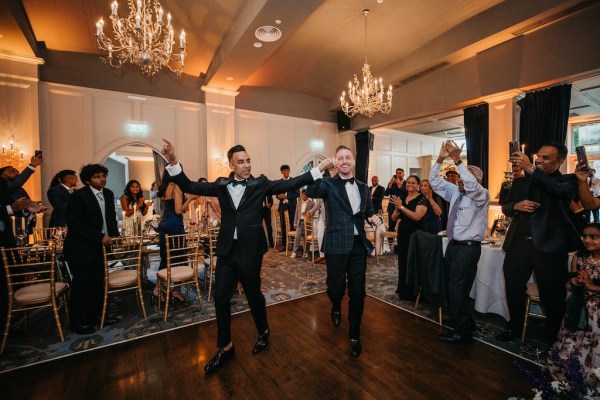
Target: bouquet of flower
point(573, 387)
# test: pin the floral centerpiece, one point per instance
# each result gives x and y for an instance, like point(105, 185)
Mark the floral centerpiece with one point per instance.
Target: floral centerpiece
point(572, 387)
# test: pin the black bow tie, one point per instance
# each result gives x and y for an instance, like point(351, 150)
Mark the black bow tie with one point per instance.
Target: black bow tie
point(235, 183)
point(350, 181)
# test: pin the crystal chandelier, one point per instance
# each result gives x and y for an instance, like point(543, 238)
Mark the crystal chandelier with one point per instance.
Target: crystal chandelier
point(142, 38)
point(12, 156)
point(368, 99)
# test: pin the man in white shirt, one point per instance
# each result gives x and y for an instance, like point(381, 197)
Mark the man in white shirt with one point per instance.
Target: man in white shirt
point(302, 211)
point(467, 224)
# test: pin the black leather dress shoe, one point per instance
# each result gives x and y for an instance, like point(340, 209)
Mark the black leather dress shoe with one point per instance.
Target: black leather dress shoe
point(336, 318)
point(261, 342)
point(505, 336)
point(83, 329)
point(355, 347)
point(456, 338)
point(219, 360)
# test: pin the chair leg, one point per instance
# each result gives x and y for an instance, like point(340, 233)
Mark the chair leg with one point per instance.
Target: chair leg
point(199, 293)
point(210, 282)
point(418, 299)
point(104, 303)
point(167, 298)
point(6, 329)
point(141, 299)
point(57, 319)
point(527, 305)
point(440, 315)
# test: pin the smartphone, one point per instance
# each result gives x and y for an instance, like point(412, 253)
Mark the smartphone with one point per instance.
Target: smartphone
point(581, 155)
point(512, 147)
point(38, 153)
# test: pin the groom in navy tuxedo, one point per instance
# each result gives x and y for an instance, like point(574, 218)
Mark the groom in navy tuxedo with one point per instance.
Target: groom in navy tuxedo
point(345, 244)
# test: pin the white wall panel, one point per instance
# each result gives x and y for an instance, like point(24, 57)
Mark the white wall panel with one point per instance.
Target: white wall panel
point(414, 146)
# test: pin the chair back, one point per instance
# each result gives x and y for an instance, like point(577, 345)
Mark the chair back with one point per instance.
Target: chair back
point(182, 250)
point(277, 231)
point(123, 254)
point(310, 236)
point(41, 235)
point(25, 266)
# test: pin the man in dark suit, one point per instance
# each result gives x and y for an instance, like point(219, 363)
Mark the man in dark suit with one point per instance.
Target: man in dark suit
point(287, 205)
point(58, 196)
point(15, 181)
point(377, 192)
point(539, 238)
point(345, 243)
point(396, 187)
point(92, 223)
point(241, 243)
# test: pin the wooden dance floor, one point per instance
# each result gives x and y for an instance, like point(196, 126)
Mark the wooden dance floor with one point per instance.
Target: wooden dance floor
point(307, 358)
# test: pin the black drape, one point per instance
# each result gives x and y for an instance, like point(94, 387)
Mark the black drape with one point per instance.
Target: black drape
point(477, 133)
point(361, 171)
point(544, 117)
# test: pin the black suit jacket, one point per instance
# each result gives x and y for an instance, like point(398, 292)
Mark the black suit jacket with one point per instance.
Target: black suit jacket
point(58, 196)
point(377, 197)
point(7, 238)
point(551, 229)
point(84, 220)
point(341, 221)
point(247, 218)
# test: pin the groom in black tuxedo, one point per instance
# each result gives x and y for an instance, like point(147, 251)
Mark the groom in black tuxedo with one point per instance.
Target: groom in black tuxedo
point(241, 243)
point(348, 205)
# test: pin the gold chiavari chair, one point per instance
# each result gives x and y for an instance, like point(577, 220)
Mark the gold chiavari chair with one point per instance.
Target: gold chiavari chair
point(310, 236)
point(41, 235)
point(389, 234)
point(370, 233)
point(290, 235)
point(182, 267)
point(277, 240)
point(213, 233)
point(123, 270)
point(31, 284)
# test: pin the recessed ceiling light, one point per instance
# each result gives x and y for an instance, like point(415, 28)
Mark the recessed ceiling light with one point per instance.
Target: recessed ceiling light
point(278, 21)
point(257, 44)
point(229, 78)
point(268, 34)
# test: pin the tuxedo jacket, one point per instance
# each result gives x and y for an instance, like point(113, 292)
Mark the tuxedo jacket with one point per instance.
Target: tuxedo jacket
point(58, 196)
point(551, 229)
point(377, 197)
point(15, 186)
point(7, 238)
point(84, 220)
point(341, 221)
point(247, 218)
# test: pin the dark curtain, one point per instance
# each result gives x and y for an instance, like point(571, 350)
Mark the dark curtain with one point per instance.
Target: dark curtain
point(544, 117)
point(361, 171)
point(477, 133)
point(159, 166)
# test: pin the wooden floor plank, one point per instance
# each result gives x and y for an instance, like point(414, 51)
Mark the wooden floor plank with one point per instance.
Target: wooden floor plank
point(307, 358)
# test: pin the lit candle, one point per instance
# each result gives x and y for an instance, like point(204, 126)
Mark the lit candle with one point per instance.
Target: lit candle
point(21, 154)
point(110, 50)
point(522, 148)
point(138, 20)
point(3, 148)
point(534, 158)
point(39, 223)
point(11, 144)
point(139, 5)
point(135, 212)
point(13, 224)
point(23, 223)
point(190, 212)
point(182, 39)
point(114, 7)
point(160, 14)
point(168, 19)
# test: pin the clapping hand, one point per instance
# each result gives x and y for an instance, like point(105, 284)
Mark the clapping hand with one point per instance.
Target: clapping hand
point(396, 200)
point(169, 152)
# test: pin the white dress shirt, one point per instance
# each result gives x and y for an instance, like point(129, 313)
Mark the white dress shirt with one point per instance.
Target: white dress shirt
point(354, 197)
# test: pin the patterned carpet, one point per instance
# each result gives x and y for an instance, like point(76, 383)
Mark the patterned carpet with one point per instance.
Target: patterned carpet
point(283, 279)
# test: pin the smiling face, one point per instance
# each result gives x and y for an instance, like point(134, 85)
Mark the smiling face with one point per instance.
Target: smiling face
point(240, 164)
point(412, 185)
point(548, 159)
point(134, 188)
point(591, 239)
point(344, 162)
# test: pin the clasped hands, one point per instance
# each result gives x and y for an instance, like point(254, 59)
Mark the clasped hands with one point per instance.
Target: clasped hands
point(450, 149)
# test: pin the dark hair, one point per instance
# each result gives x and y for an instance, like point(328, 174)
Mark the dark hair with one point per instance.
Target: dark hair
point(235, 149)
point(342, 147)
point(87, 171)
point(129, 195)
point(416, 178)
point(399, 169)
point(561, 149)
point(5, 168)
point(284, 166)
point(164, 182)
point(60, 176)
point(594, 225)
point(450, 172)
point(202, 180)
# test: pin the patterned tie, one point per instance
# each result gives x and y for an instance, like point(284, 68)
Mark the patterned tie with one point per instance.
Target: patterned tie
point(102, 206)
point(452, 216)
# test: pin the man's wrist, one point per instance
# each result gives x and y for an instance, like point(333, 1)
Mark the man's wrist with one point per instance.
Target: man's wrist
point(440, 160)
point(530, 170)
point(457, 161)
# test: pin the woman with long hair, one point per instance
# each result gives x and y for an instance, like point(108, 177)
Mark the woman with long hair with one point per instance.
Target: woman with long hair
point(409, 212)
point(134, 207)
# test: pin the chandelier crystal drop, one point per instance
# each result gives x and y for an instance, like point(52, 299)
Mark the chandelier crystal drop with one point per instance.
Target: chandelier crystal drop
point(142, 38)
point(368, 98)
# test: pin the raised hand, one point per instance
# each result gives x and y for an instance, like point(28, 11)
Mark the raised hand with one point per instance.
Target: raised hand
point(169, 152)
point(521, 160)
point(582, 171)
point(326, 164)
point(444, 153)
point(453, 149)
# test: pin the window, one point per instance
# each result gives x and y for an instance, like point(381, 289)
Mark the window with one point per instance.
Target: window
point(588, 135)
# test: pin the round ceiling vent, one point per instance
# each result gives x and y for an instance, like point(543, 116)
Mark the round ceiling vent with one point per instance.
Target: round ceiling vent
point(268, 34)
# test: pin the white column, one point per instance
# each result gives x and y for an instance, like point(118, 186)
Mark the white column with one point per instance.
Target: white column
point(220, 129)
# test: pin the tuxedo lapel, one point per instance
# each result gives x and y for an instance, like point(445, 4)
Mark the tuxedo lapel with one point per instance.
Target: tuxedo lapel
point(223, 186)
point(250, 186)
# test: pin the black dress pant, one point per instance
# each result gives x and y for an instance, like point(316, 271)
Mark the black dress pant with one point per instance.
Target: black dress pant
point(350, 267)
point(551, 274)
point(232, 268)
point(87, 292)
point(461, 268)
